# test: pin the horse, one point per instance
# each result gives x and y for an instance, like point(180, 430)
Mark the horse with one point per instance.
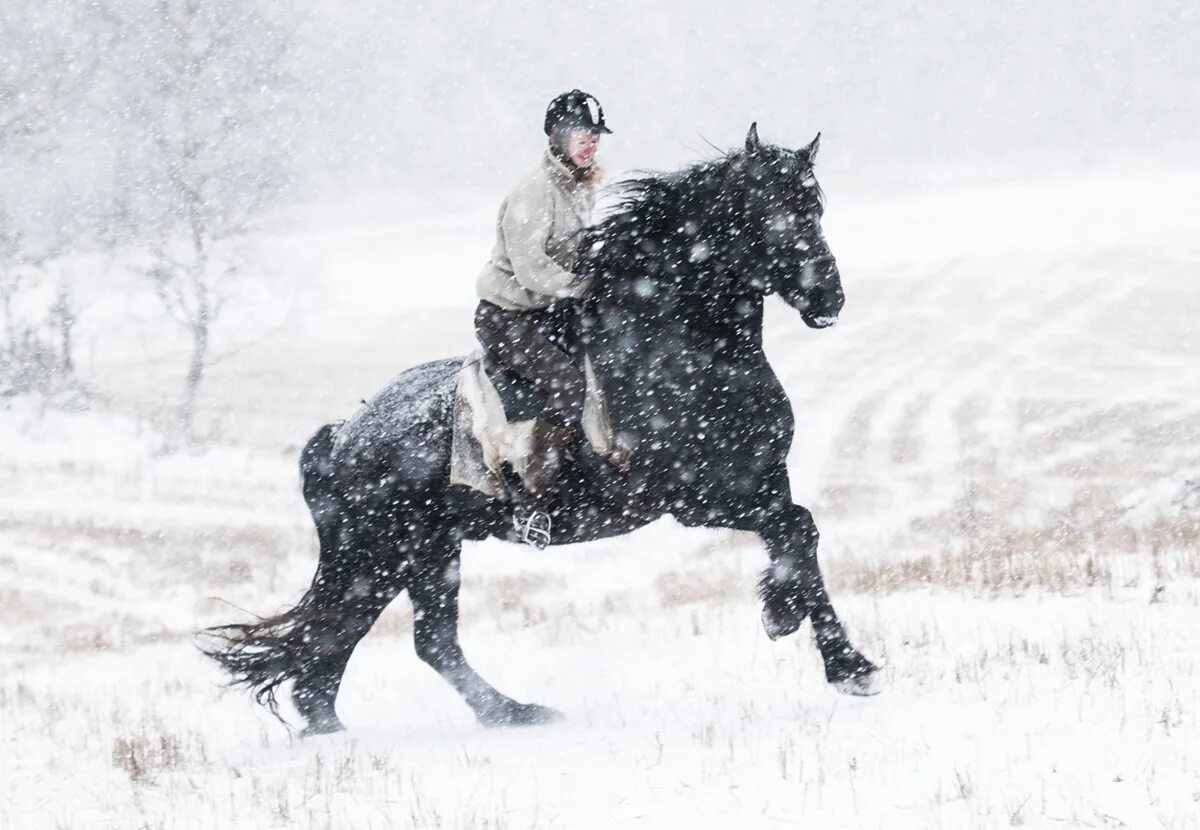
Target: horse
point(680, 270)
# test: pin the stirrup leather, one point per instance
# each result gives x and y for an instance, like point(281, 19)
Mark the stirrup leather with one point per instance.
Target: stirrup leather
point(534, 529)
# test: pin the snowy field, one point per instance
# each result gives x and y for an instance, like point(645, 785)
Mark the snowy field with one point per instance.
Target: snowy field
point(1000, 443)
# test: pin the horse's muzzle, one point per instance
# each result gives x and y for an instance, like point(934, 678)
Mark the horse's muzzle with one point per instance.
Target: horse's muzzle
point(822, 322)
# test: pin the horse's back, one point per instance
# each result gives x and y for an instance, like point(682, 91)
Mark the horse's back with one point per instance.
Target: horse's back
point(405, 428)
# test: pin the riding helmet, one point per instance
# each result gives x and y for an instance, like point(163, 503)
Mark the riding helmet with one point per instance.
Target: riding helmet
point(575, 110)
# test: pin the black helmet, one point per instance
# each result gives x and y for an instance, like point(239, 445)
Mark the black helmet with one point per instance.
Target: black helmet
point(575, 110)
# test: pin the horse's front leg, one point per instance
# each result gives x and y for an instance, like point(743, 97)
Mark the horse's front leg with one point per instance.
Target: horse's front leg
point(434, 595)
point(792, 588)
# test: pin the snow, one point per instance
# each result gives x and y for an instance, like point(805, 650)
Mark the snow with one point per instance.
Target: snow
point(998, 441)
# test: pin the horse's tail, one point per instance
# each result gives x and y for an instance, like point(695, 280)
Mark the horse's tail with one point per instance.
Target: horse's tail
point(263, 655)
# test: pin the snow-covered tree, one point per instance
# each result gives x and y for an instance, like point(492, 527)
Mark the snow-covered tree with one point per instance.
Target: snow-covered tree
point(207, 105)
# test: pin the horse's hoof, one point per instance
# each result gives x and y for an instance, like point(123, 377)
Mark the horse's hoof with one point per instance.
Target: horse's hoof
point(863, 685)
point(777, 629)
point(520, 714)
point(325, 726)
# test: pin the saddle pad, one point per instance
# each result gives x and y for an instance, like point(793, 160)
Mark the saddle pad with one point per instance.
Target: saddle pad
point(485, 439)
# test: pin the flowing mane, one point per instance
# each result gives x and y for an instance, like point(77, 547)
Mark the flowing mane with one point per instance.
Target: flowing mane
point(665, 227)
point(745, 222)
point(653, 199)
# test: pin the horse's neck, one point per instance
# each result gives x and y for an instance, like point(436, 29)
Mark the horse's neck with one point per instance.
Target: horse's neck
point(644, 339)
point(669, 294)
point(731, 322)
point(669, 368)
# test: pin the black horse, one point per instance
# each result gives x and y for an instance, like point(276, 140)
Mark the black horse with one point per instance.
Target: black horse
point(680, 271)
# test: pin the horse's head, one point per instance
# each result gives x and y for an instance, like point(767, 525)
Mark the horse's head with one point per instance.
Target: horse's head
point(782, 208)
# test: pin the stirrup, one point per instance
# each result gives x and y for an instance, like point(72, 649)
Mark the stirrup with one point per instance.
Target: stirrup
point(534, 529)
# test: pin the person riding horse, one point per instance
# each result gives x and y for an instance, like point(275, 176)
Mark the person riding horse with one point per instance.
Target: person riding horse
point(681, 269)
point(527, 292)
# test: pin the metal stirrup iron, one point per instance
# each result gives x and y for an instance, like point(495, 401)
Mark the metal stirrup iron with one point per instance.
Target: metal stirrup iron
point(534, 529)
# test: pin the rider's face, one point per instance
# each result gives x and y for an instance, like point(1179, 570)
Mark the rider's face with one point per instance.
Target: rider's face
point(581, 147)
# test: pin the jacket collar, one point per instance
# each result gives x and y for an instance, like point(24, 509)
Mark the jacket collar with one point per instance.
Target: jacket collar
point(557, 168)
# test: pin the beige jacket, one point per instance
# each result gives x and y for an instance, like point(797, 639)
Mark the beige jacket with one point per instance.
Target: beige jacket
point(536, 233)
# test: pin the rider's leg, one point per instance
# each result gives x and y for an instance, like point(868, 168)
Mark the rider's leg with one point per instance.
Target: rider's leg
point(519, 340)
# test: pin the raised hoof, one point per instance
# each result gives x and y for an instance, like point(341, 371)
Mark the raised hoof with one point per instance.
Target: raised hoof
point(777, 628)
point(520, 714)
point(865, 685)
point(325, 726)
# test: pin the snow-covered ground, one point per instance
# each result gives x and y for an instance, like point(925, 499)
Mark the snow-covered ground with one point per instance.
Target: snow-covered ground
point(1001, 445)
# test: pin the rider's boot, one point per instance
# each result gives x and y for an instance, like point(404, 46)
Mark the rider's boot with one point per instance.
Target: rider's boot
point(550, 448)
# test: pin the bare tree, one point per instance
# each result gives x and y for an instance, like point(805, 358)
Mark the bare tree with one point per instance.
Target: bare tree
point(47, 60)
point(207, 100)
point(36, 345)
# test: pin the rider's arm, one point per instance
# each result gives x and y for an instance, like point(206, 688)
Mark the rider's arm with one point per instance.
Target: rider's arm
point(527, 223)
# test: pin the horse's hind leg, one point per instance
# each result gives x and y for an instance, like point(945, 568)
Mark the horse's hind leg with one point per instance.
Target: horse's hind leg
point(333, 631)
point(792, 588)
point(433, 589)
point(311, 643)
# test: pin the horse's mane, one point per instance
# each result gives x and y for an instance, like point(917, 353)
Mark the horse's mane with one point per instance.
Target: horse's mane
point(664, 226)
point(651, 200)
point(659, 201)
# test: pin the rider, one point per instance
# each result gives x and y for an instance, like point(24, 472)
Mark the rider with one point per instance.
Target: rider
point(527, 289)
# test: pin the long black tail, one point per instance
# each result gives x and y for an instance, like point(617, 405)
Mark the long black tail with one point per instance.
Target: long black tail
point(263, 655)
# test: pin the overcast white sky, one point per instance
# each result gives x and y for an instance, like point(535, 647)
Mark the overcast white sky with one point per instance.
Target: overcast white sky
point(454, 90)
point(414, 100)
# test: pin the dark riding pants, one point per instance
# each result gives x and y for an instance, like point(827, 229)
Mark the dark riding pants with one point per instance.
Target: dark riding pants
point(528, 342)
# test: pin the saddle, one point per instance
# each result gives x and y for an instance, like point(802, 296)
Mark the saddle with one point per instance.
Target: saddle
point(494, 411)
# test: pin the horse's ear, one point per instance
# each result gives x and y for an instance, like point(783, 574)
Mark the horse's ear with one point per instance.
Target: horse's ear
point(752, 138)
point(810, 151)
